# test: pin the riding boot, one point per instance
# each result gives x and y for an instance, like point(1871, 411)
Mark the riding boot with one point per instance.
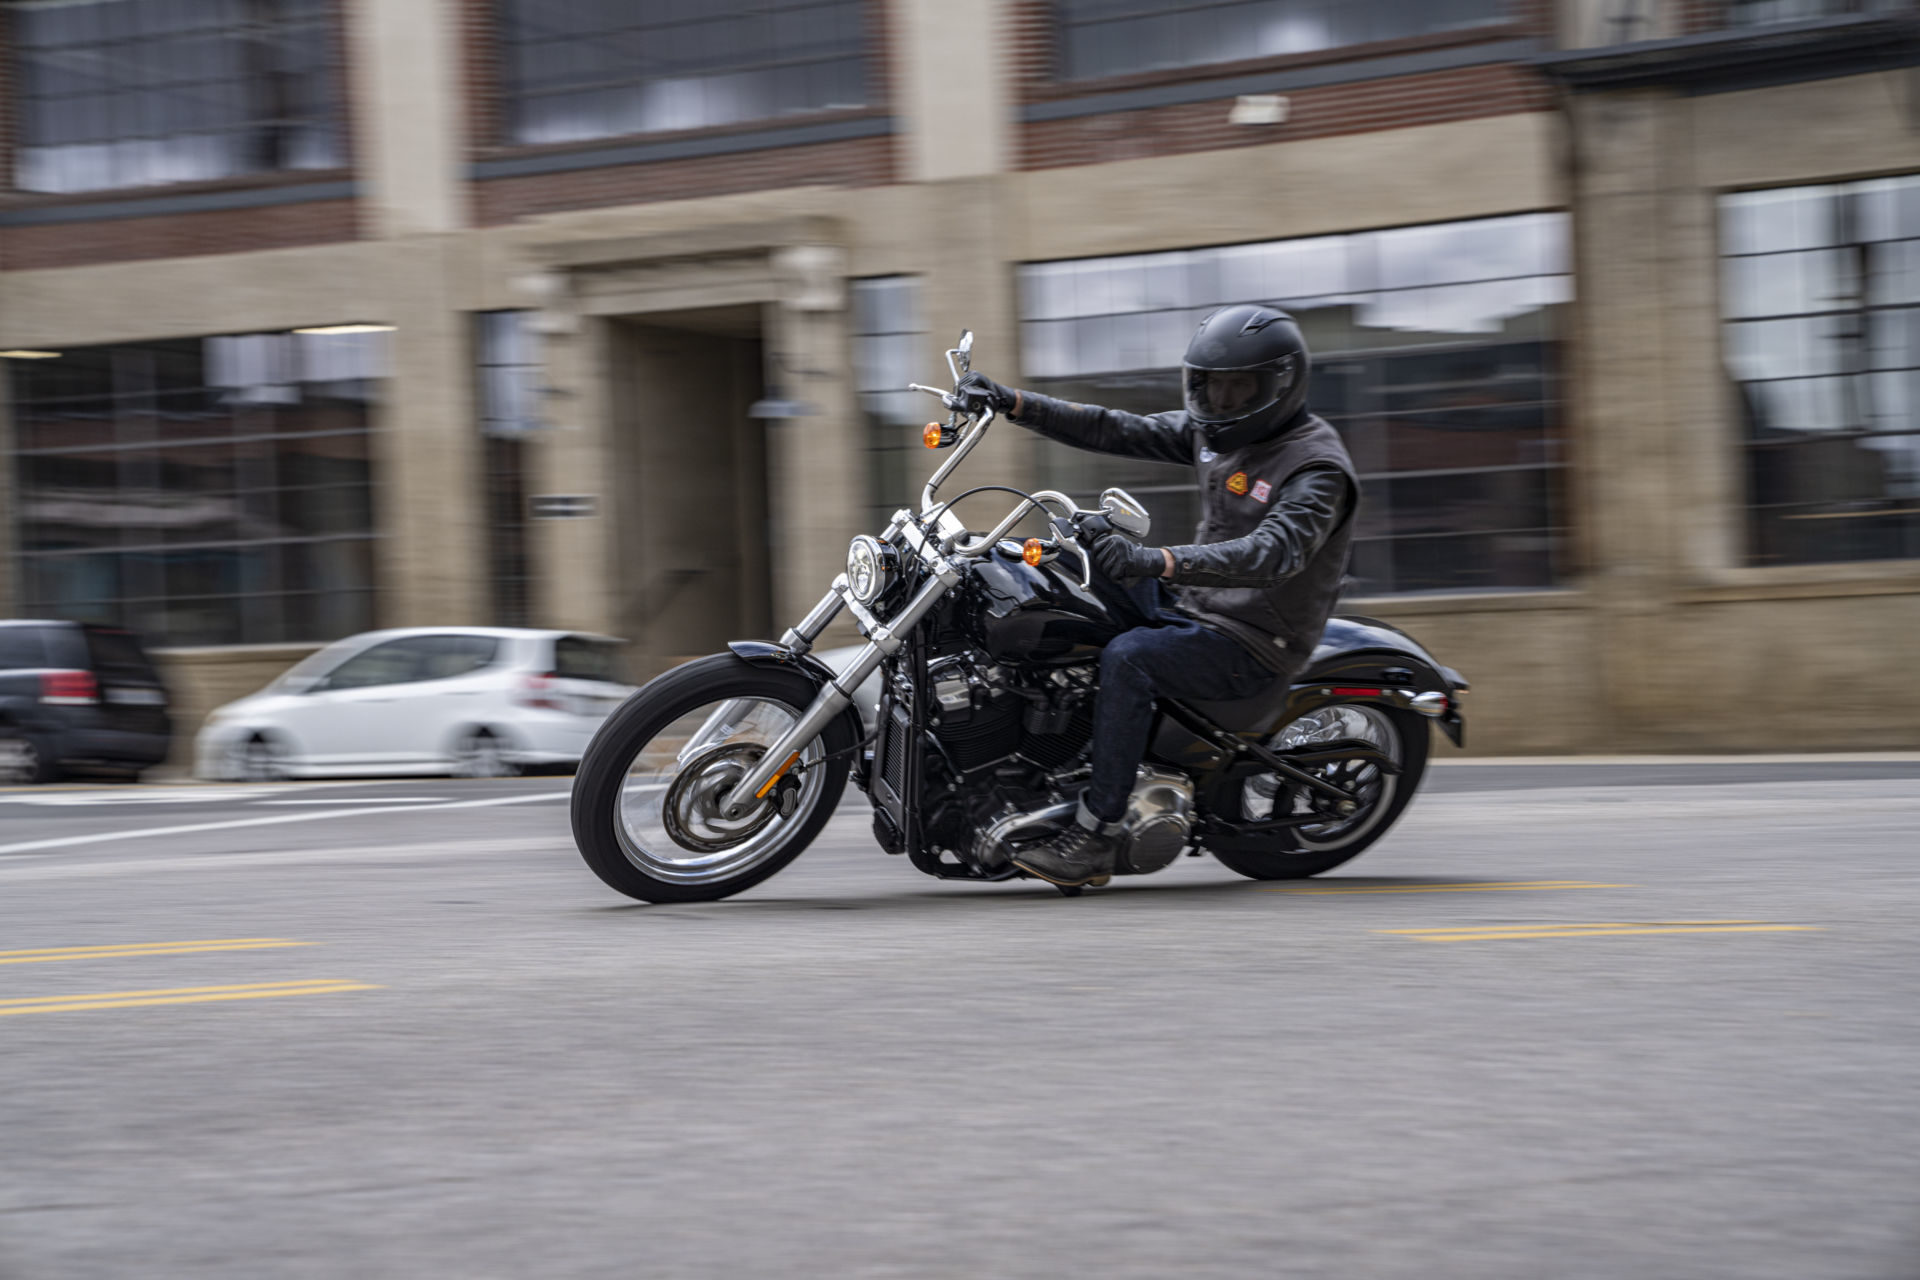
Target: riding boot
point(1082, 853)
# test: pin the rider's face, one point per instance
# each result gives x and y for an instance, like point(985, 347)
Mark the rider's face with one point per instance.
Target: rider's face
point(1229, 390)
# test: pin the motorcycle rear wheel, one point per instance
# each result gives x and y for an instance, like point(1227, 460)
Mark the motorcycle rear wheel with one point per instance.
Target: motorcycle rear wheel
point(1309, 850)
point(648, 821)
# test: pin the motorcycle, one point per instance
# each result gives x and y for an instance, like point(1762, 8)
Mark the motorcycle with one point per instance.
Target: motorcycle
point(720, 772)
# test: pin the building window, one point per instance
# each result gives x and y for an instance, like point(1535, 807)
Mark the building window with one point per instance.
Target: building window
point(509, 393)
point(1821, 294)
point(576, 69)
point(1118, 37)
point(1755, 13)
point(129, 93)
point(202, 490)
point(1435, 354)
point(889, 351)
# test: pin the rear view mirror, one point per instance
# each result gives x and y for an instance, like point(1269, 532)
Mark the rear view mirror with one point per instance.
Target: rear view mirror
point(1124, 512)
point(301, 684)
point(960, 359)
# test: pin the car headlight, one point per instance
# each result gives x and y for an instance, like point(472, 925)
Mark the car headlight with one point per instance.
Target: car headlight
point(872, 567)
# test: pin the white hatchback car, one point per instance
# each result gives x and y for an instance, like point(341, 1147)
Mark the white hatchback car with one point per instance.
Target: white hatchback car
point(475, 701)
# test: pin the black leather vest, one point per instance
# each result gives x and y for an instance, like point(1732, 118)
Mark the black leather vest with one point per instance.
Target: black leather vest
point(1280, 623)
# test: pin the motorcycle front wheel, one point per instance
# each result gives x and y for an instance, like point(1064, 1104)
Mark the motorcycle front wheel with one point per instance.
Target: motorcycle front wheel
point(650, 796)
point(1314, 847)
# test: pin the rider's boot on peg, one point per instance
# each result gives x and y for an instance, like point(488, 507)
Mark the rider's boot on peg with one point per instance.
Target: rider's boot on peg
point(1081, 854)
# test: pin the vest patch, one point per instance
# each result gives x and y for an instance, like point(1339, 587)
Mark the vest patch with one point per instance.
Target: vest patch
point(1237, 483)
point(1262, 490)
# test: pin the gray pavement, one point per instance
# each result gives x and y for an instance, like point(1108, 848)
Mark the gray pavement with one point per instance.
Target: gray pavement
point(1566, 1021)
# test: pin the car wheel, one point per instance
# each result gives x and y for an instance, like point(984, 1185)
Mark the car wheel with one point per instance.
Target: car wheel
point(481, 755)
point(260, 759)
point(21, 761)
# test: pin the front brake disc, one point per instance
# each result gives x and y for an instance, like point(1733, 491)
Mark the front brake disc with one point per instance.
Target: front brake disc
point(694, 810)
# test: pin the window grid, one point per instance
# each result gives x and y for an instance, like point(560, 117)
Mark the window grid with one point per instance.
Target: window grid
point(1436, 356)
point(124, 93)
point(1821, 309)
point(889, 336)
point(579, 69)
point(1099, 38)
point(201, 491)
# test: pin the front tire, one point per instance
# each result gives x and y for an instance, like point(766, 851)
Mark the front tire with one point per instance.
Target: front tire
point(1309, 850)
point(646, 798)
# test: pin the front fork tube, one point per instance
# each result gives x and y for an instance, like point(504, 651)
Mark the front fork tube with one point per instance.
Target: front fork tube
point(882, 640)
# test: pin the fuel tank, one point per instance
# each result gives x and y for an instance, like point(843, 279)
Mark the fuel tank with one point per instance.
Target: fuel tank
point(1028, 613)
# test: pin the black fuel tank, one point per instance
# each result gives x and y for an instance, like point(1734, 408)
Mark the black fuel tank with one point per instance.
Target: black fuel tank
point(1023, 613)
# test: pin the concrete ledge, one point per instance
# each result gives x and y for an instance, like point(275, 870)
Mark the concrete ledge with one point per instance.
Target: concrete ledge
point(1389, 607)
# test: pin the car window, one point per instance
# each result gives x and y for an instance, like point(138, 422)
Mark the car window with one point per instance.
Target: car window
point(117, 653)
point(443, 657)
point(21, 647)
point(584, 658)
point(395, 662)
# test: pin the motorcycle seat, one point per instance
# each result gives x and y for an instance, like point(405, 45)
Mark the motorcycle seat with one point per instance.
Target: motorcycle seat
point(1259, 714)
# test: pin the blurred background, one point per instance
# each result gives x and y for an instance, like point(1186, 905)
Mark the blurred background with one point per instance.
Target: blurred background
point(319, 316)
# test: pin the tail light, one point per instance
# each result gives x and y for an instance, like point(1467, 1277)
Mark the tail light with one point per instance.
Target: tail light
point(536, 692)
point(69, 689)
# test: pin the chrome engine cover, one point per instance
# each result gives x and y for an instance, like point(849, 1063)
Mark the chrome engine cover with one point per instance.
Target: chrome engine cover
point(1158, 820)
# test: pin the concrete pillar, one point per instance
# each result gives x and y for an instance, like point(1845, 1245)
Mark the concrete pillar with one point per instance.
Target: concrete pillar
point(410, 149)
point(816, 468)
point(409, 115)
point(576, 456)
point(950, 87)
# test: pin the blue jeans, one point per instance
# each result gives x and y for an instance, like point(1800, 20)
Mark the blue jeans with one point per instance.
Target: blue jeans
point(1168, 655)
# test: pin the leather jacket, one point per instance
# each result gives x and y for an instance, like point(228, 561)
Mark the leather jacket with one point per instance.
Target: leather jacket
point(1268, 559)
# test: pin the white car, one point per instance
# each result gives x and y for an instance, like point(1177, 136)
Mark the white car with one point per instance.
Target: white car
point(474, 701)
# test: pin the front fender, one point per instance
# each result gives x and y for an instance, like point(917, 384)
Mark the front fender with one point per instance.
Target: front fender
point(764, 653)
point(1368, 653)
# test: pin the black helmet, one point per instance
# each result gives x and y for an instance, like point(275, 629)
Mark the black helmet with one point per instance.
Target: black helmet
point(1245, 375)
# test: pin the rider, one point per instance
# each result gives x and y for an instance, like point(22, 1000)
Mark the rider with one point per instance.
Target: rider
point(1251, 594)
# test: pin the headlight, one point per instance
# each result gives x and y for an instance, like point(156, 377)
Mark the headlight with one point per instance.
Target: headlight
point(872, 567)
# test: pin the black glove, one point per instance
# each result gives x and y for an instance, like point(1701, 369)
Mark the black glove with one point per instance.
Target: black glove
point(1121, 558)
point(981, 392)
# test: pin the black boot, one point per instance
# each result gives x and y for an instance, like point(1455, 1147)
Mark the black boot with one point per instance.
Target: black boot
point(1081, 854)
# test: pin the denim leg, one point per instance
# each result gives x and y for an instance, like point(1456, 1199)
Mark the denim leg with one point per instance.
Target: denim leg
point(1181, 659)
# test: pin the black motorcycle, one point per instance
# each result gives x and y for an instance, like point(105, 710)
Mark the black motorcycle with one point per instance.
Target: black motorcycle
point(722, 771)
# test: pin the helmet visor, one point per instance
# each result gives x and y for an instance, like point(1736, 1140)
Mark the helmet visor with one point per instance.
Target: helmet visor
point(1226, 395)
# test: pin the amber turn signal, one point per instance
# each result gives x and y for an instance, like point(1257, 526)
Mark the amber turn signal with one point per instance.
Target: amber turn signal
point(932, 437)
point(1032, 549)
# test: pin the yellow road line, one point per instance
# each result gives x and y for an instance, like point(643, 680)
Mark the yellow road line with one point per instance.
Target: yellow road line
point(114, 951)
point(180, 995)
point(1614, 929)
point(1490, 886)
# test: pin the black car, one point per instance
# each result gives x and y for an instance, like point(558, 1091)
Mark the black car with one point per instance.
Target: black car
point(77, 696)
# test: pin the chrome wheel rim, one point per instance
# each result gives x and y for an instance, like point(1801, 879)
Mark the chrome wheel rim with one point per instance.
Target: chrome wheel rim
point(479, 756)
point(669, 815)
point(19, 761)
point(1262, 796)
point(260, 762)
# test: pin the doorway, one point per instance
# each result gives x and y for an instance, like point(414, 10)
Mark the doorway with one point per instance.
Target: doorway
point(692, 482)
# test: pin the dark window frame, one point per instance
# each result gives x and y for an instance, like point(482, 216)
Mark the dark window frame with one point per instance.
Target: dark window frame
point(182, 130)
point(625, 107)
point(892, 414)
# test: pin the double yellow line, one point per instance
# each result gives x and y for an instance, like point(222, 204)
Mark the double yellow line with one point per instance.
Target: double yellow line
point(165, 995)
point(1603, 929)
point(1328, 889)
point(179, 995)
point(116, 951)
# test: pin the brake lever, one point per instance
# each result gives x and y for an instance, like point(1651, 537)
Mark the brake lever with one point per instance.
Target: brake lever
point(1063, 533)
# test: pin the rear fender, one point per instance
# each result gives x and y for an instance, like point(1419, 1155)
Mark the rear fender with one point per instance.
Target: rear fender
point(1366, 660)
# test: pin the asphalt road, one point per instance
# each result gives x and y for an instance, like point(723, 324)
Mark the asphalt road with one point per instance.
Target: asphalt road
point(1567, 1021)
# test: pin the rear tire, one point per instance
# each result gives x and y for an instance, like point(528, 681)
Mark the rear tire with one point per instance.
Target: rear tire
point(1303, 852)
point(603, 829)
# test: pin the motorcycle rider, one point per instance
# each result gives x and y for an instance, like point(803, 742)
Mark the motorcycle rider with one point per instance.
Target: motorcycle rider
point(1250, 595)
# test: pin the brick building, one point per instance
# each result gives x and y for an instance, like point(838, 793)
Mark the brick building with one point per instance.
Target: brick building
point(311, 308)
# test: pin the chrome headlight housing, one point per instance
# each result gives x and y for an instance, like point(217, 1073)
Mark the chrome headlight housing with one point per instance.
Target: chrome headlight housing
point(872, 567)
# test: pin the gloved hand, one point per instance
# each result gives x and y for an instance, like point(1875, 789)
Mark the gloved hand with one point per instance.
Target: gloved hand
point(981, 392)
point(1121, 558)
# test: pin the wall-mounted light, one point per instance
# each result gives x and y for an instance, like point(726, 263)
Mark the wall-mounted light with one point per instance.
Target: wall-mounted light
point(347, 328)
point(29, 355)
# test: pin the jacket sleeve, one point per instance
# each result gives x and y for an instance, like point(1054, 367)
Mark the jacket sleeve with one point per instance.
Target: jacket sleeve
point(1306, 511)
point(1165, 437)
